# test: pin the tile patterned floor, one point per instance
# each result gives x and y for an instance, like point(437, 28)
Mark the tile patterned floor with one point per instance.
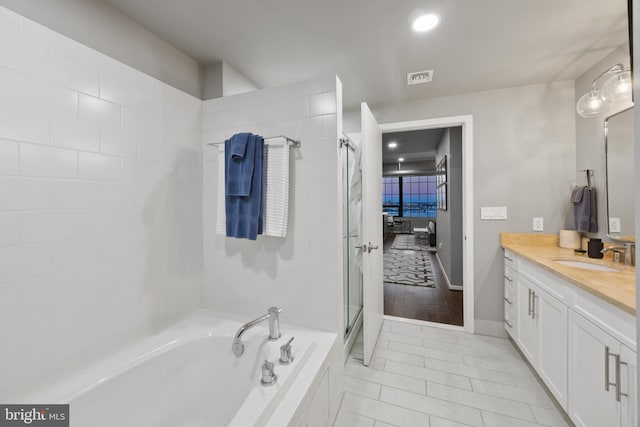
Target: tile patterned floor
point(429, 377)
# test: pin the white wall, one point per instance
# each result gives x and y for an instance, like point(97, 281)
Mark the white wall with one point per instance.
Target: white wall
point(590, 153)
point(301, 273)
point(96, 24)
point(234, 83)
point(524, 159)
point(100, 205)
point(449, 222)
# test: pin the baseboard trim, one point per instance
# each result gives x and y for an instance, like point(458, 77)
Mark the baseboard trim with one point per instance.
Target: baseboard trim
point(491, 328)
point(446, 278)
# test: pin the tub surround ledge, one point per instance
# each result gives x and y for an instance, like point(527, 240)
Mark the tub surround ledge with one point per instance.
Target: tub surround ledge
point(617, 288)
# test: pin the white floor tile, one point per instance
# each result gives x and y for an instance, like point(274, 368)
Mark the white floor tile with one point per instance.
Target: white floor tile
point(408, 339)
point(398, 356)
point(425, 376)
point(498, 363)
point(433, 375)
point(548, 417)
point(480, 401)
point(361, 387)
point(431, 406)
point(412, 385)
point(534, 395)
point(385, 412)
point(406, 329)
point(349, 419)
point(496, 420)
point(441, 422)
point(469, 371)
point(428, 350)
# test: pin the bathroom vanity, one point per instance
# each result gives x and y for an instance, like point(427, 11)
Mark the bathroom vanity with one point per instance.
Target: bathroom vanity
point(574, 320)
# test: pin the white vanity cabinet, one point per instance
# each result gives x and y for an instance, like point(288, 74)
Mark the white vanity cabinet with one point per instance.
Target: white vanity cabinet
point(602, 377)
point(542, 335)
point(582, 347)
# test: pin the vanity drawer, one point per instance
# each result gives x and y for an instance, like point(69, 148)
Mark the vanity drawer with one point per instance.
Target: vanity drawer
point(509, 279)
point(509, 259)
point(509, 296)
point(509, 320)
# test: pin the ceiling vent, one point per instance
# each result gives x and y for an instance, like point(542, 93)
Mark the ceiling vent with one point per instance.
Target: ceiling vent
point(419, 77)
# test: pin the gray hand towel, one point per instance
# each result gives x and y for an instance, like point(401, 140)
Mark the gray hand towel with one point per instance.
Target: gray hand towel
point(584, 209)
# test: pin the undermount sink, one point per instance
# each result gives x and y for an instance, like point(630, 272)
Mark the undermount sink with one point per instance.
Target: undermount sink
point(585, 265)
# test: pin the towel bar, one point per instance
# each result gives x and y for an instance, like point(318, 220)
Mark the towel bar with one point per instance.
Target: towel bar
point(290, 141)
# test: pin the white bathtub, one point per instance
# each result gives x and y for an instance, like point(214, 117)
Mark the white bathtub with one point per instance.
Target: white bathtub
point(185, 376)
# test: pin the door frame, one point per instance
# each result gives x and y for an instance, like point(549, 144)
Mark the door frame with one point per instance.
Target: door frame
point(466, 122)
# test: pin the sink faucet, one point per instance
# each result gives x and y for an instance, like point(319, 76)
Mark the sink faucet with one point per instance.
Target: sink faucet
point(274, 329)
point(628, 250)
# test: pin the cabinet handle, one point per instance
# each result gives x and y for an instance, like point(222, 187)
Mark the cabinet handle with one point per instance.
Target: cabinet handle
point(508, 300)
point(533, 305)
point(619, 392)
point(507, 258)
point(510, 325)
point(507, 278)
point(529, 303)
point(607, 355)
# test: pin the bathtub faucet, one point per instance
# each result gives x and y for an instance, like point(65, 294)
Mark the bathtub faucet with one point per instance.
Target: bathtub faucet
point(273, 316)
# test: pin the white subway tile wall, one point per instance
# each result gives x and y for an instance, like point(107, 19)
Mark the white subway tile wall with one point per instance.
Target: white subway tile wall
point(300, 273)
point(100, 205)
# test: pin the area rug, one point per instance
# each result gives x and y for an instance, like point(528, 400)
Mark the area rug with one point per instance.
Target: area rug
point(408, 268)
point(407, 242)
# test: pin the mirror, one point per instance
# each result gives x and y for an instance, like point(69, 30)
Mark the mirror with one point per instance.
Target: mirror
point(618, 134)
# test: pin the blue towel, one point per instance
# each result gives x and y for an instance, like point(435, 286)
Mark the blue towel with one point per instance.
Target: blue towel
point(244, 185)
point(239, 164)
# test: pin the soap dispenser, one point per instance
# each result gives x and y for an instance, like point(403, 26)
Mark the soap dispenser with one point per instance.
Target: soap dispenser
point(595, 247)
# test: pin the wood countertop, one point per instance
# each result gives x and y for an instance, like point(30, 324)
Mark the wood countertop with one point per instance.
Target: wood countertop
point(617, 288)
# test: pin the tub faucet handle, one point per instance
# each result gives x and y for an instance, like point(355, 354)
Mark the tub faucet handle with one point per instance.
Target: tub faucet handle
point(285, 353)
point(268, 375)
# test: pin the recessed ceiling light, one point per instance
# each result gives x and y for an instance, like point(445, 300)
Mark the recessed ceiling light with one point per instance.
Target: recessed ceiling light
point(392, 145)
point(425, 22)
point(401, 159)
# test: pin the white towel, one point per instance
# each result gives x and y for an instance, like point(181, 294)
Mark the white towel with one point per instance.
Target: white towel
point(276, 191)
point(276, 206)
point(221, 219)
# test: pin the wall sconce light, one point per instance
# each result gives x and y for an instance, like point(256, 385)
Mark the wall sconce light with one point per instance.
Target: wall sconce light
point(617, 88)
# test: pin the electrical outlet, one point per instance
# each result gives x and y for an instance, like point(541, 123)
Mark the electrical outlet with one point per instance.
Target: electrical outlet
point(538, 224)
point(614, 225)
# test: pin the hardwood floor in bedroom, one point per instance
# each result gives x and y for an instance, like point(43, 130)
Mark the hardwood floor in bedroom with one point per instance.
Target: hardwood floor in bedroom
point(437, 304)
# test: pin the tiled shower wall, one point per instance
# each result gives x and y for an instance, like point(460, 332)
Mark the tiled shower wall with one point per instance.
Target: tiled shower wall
point(100, 205)
point(301, 273)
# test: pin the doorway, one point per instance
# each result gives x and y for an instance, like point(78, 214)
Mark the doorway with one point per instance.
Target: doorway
point(428, 225)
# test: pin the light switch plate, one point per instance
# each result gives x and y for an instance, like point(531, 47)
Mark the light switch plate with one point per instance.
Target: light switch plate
point(614, 225)
point(493, 213)
point(538, 223)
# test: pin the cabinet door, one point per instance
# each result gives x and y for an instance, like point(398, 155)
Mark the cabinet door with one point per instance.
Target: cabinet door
point(551, 316)
point(590, 404)
point(628, 386)
point(525, 323)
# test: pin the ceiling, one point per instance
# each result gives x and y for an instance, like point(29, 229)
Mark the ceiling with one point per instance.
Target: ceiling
point(479, 45)
point(413, 146)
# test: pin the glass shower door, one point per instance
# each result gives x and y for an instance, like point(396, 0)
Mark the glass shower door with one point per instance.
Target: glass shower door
point(352, 210)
